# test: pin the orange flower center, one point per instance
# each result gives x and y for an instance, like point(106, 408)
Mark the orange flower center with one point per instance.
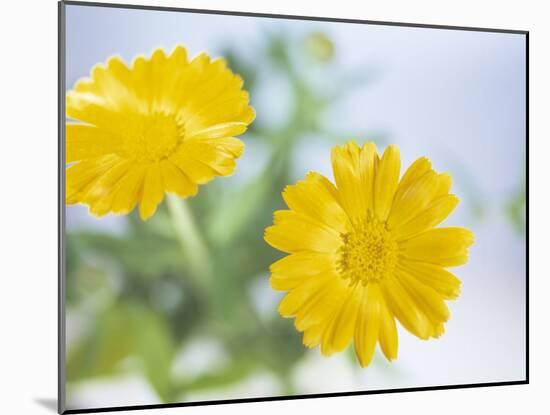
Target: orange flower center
point(368, 253)
point(154, 139)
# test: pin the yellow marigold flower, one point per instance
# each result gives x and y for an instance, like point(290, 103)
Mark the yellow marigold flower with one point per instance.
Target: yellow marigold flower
point(164, 124)
point(366, 251)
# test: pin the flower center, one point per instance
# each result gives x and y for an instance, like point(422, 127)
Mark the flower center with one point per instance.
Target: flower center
point(154, 139)
point(368, 253)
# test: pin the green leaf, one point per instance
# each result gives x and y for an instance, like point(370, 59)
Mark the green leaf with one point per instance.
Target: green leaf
point(105, 346)
point(156, 349)
point(515, 210)
point(231, 374)
point(145, 256)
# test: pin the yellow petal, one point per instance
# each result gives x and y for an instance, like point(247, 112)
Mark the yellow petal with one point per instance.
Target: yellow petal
point(234, 109)
point(197, 171)
point(317, 198)
point(443, 246)
point(118, 73)
point(416, 170)
point(445, 182)
point(82, 174)
point(320, 309)
point(207, 153)
point(341, 330)
point(175, 181)
point(97, 111)
point(199, 69)
point(368, 161)
point(228, 129)
point(312, 336)
point(317, 317)
point(368, 324)
point(347, 174)
point(437, 330)
point(229, 145)
point(430, 217)
point(434, 276)
point(405, 309)
point(109, 86)
point(218, 101)
point(157, 80)
point(327, 341)
point(290, 271)
point(294, 232)
point(177, 59)
point(140, 82)
point(414, 199)
point(388, 332)
point(84, 142)
point(129, 190)
point(427, 299)
point(99, 195)
point(385, 182)
point(299, 296)
point(153, 192)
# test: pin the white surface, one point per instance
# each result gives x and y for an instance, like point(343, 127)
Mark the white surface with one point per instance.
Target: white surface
point(28, 179)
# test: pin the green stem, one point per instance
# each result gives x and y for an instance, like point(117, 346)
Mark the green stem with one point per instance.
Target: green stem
point(192, 243)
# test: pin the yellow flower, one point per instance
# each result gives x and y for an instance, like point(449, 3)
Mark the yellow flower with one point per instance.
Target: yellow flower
point(366, 251)
point(164, 124)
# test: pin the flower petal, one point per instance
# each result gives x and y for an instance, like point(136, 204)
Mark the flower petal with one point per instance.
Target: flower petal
point(434, 276)
point(175, 181)
point(427, 299)
point(342, 328)
point(298, 297)
point(388, 332)
point(405, 309)
point(109, 84)
point(445, 182)
point(290, 271)
point(105, 99)
point(414, 199)
point(386, 181)
point(229, 145)
point(197, 171)
point(367, 328)
point(99, 195)
point(207, 153)
point(129, 190)
point(430, 217)
point(80, 175)
point(347, 174)
point(228, 129)
point(443, 246)
point(223, 93)
point(85, 141)
point(315, 316)
point(317, 198)
point(153, 192)
point(416, 170)
point(294, 232)
point(368, 161)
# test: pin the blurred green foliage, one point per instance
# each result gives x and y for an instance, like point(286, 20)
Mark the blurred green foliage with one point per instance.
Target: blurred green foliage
point(516, 205)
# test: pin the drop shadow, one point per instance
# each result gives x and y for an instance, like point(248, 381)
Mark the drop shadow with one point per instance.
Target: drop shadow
point(48, 403)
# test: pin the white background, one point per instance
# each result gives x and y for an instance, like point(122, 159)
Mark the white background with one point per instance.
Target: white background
point(28, 231)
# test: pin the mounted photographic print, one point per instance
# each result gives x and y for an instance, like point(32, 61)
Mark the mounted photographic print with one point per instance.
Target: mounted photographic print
point(258, 207)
